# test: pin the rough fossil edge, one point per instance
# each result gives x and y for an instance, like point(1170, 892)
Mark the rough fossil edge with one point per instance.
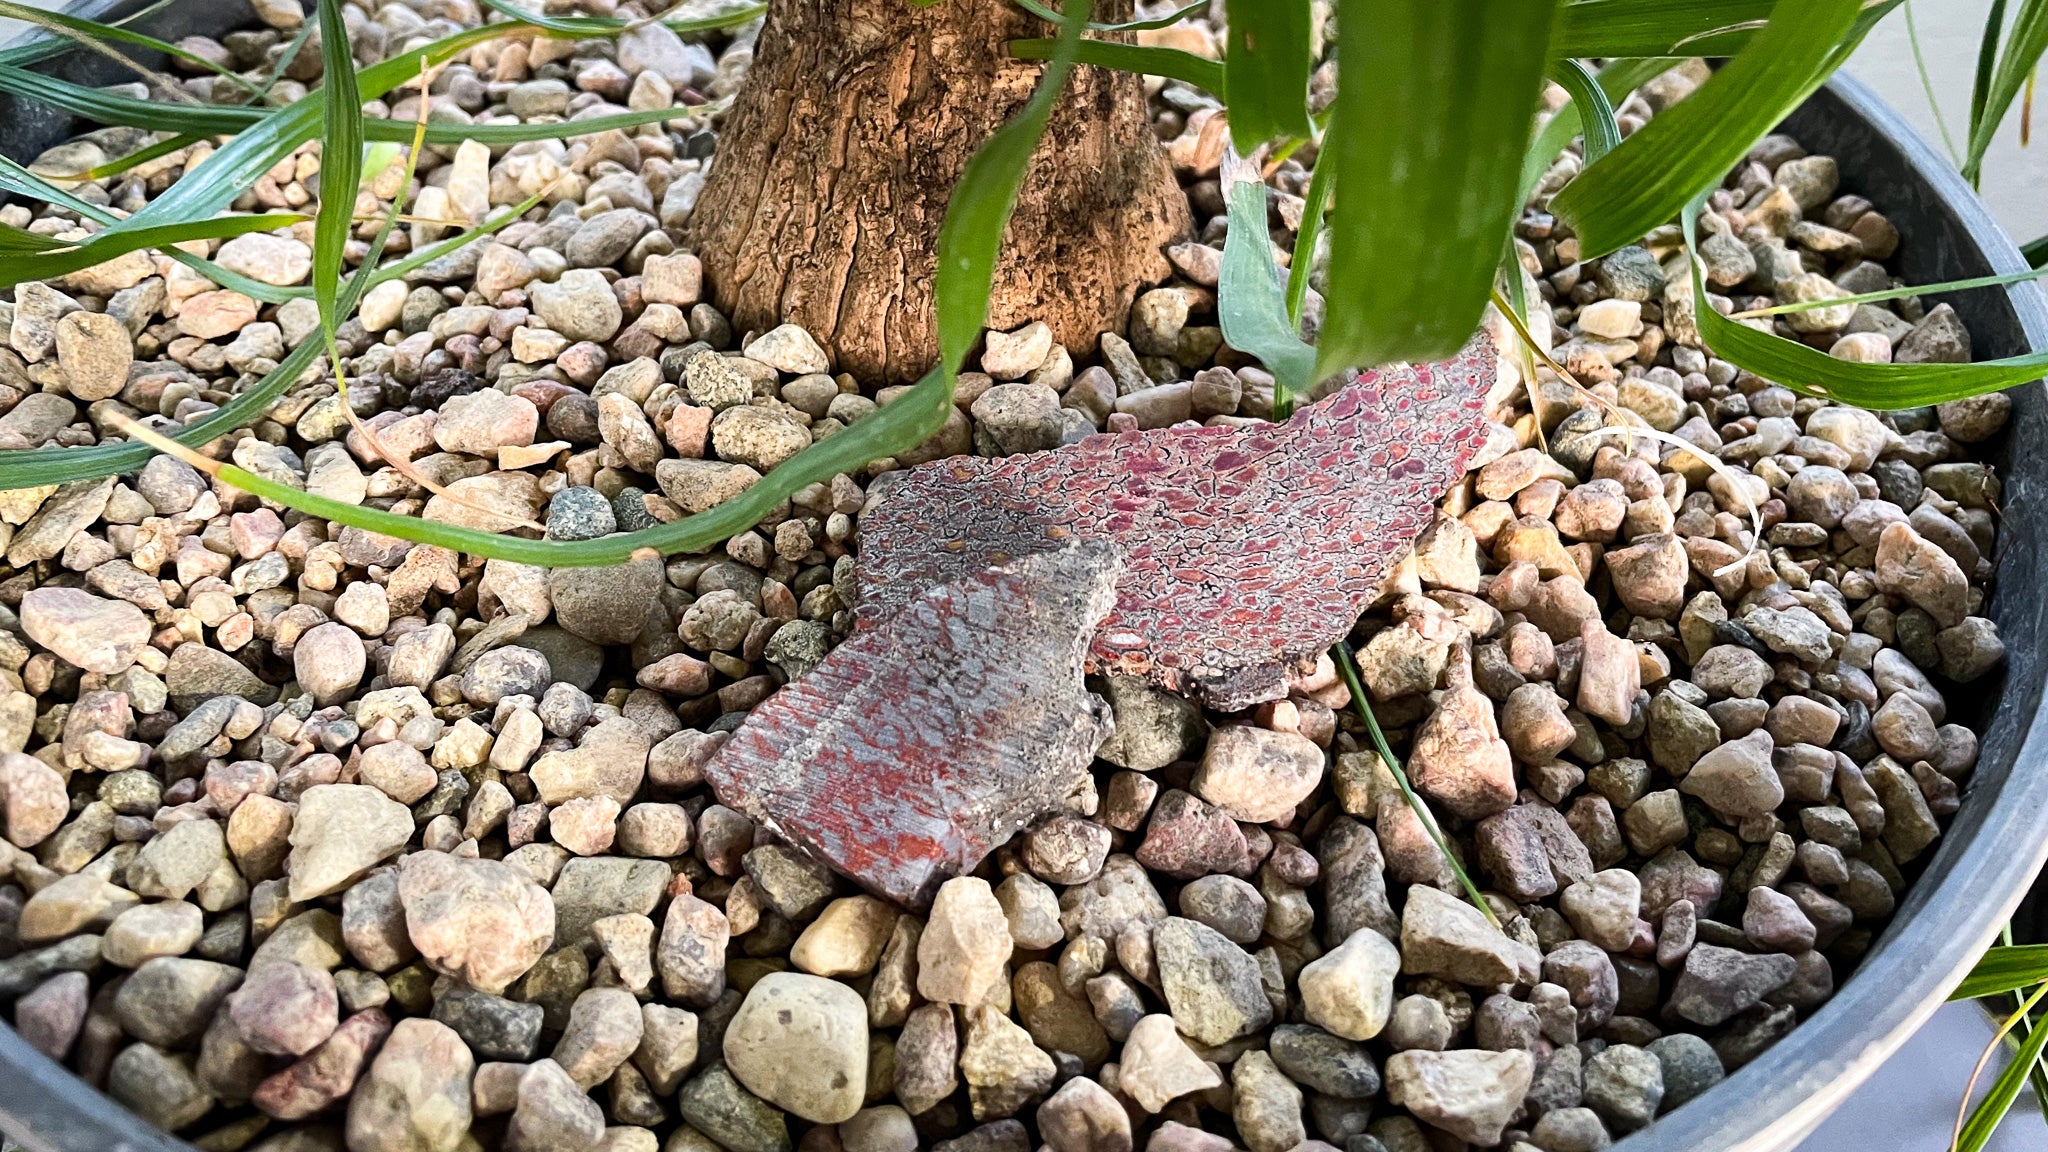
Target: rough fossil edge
point(1247, 550)
point(917, 748)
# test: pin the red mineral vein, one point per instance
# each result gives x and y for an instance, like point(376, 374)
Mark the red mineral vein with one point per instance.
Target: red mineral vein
point(1246, 550)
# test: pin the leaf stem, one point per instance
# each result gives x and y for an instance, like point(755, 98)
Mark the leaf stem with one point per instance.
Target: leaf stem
point(1892, 294)
point(1927, 86)
point(1963, 1114)
point(1303, 262)
point(1347, 667)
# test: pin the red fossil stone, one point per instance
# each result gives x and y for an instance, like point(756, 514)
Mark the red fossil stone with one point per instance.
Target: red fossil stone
point(920, 745)
point(1246, 550)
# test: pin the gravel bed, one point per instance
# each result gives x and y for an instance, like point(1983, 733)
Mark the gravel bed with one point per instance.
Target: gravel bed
point(317, 839)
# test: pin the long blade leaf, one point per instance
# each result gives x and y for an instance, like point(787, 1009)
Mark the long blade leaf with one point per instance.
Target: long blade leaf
point(32, 51)
point(1347, 667)
point(1998, 281)
point(1166, 21)
point(14, 178)
point(606, 25)
point(1815, 373)
point(1990, 1111)
point(144, 155)
point(1265, 72)
point(971, 237)
point(243, 160)
point(1622, 28)
point(25, 467)
point(1617, 80)
point(1987, 61)
point(1611, 29)
point(1596, 113)
point(2023, 48)
point(93, 29)
point(2005, 970)
point(1431, 158)
point(50, 265)
point(1314, 205)
point(341, 164)
point(1690, 147)
point(227, 119)
point(21, 240)
point(1171, 63)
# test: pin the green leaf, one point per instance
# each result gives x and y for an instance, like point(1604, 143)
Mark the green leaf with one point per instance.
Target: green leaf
point(2035, 251)
point(379, 128)
point(20, 240)
point(1171, 63)
point(1623, 28)
point(290, 53)
point(1347, 667)
point(421, 257)
point(1990, 1111)
point(201, 120)
point(1430, 126)
point(1896, 293)
point(28, 467)
point(242, 161)
point(14, 178)
point(1166, 21)
point(1617, 80)
point(341, 165)
point(2023, 48)
point(1987, 60)
point(144, 155)
point(104, 246)
point(1303, 263)
point(1927, 84)
point(102, 107)
point(2005, 969)
point(1691, 146)
point(237, 164)
point(1265, 71)
point(583, 26)
point(94, 30)
point(1815, 373)
point(1596, 113)
point(32, 51)
point(1611, 29)
point(2037, 1076)
point(1250, 303)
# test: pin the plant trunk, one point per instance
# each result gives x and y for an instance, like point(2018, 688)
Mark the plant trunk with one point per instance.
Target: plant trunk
point(835, 164)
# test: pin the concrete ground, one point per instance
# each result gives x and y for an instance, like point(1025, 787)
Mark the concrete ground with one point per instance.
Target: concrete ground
point(2015, 178)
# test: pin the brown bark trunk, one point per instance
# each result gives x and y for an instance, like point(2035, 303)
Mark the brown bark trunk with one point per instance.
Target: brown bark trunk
point(834, 166)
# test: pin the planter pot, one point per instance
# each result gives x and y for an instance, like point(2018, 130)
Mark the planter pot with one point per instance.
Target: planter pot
point(1985, 862)
point(1996, 844)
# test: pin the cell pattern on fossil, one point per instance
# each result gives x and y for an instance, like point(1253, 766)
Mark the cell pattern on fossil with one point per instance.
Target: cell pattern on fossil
point(1246, 550)
point(918, 747)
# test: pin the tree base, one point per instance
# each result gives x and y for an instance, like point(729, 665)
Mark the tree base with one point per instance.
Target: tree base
point(836, 162)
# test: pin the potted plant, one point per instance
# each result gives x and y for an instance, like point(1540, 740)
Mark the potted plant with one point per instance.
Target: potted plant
point(896, 188)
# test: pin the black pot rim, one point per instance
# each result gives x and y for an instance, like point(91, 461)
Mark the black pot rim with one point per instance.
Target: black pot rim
point(1991, 851)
